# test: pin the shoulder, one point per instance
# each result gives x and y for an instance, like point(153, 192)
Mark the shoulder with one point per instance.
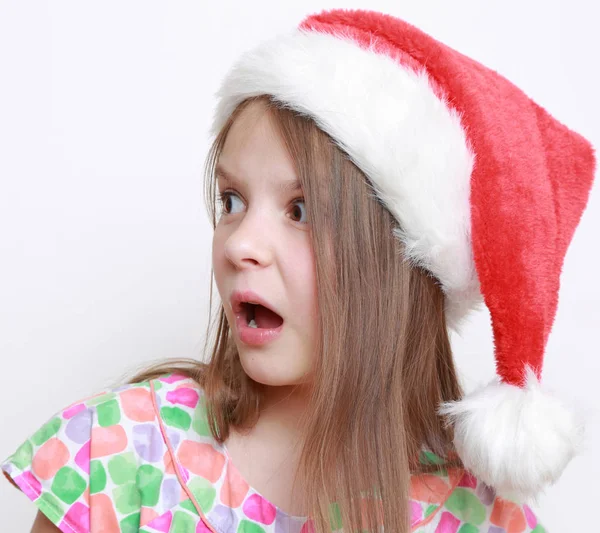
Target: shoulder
point(457, 501)
point(109, 451)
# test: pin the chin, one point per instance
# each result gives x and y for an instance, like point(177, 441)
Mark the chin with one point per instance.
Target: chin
point(281, 374)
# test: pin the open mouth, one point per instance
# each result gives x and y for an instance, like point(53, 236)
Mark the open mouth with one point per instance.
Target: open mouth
point(260, 317)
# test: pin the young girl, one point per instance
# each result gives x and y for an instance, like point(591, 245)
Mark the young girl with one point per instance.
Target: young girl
point(375, 188)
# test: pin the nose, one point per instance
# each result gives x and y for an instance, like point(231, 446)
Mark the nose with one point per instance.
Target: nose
point(249, 244)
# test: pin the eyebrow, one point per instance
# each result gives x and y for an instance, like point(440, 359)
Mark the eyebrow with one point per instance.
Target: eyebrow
point(292, 185)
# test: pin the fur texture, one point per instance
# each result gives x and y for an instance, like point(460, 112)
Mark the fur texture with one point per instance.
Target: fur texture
point(524, 436)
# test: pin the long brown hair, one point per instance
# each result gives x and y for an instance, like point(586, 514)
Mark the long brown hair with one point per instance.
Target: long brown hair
point(384, 361)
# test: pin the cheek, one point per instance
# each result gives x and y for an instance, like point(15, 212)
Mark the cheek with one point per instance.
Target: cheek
point(218, 257)
point(305, 283)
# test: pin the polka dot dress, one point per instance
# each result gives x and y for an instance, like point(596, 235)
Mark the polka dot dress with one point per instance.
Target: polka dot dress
point(141, 458)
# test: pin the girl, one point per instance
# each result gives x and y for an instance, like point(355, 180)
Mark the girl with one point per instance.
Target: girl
point(375, 187)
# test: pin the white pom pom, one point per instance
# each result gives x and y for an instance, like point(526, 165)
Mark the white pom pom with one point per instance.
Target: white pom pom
point(516, 440)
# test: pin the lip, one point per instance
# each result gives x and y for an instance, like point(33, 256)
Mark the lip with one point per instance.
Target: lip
point(248, 335)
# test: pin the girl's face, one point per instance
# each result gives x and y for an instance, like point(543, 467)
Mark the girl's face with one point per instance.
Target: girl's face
point(262, 244)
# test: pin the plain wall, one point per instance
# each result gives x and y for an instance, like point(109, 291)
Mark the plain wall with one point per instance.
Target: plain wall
point(104, 237)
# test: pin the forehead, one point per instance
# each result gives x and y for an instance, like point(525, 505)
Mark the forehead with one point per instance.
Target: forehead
point(251, 129)
point(254, 149)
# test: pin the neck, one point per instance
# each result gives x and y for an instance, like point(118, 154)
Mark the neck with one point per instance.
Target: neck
point(285, 406)
point(267, 455)
point(278, 429)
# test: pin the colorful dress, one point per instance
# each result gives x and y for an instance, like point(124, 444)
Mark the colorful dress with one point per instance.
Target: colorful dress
point(141, 458)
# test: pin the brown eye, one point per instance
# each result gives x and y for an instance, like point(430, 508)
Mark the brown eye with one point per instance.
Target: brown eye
point(226, 203)
point(299, 211)
point(226, 199)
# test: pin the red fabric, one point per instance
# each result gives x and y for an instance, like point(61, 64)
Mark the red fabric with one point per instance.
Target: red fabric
point(529, 187)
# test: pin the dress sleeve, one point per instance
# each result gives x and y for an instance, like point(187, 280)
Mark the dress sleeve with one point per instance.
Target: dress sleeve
point(473, 507)
point(52, 467)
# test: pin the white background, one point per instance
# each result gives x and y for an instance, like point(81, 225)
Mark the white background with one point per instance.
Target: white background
point(104, 238)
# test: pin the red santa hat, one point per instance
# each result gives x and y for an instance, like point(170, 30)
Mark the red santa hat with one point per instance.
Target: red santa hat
point(487, 189)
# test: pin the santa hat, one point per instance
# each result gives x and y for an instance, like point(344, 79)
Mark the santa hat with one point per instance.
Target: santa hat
point(487, 189)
